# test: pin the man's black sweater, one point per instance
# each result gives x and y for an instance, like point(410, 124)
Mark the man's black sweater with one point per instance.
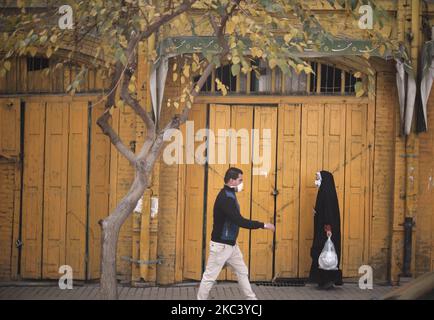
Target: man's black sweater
point(228, 219)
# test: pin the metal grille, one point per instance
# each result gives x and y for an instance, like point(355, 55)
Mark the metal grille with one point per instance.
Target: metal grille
point(284, 282)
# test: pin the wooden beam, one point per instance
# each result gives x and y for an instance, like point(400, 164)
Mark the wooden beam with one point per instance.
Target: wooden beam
point(308, 80)
point(273, 99)
point(273, 80)
point(343, 82)
point(238, 85)
point(213, 81)
point(248, 82)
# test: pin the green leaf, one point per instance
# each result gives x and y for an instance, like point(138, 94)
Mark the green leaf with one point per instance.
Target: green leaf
point(123, 59)
point(235, 69)
point(358, 87)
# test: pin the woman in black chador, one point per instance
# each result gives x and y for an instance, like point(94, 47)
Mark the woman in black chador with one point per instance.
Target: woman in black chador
point(326, 222)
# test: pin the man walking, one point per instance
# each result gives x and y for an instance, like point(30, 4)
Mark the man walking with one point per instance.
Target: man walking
point(223, 246)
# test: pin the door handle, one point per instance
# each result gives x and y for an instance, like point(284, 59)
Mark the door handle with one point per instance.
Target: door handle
point(275, 192)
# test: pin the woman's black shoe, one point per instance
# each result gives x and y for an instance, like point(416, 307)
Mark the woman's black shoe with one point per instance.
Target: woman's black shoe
point(326, 286)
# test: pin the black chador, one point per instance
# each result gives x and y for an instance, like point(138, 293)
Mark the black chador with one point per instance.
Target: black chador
point(326, 218)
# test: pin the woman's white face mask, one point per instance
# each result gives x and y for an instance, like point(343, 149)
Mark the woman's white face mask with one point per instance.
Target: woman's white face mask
point(318, 180)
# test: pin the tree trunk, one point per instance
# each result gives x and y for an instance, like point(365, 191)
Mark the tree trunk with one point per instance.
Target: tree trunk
point(108, 262)
point(110, 233)
point(112, 224)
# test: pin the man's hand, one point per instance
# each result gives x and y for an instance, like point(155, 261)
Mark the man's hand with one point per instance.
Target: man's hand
point(329, 234)
point(269, 226)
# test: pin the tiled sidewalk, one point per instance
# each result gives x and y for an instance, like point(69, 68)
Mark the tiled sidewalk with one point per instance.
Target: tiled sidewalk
point(222, 291)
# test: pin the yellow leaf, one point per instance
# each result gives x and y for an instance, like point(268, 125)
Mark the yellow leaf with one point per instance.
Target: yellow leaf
point(224, 90)
point(186, 70)
point(221, 87)
point(132, 87)
point(256, 52)
point(53, 38)
point(153, 55)
point(230, 27)
point(236, 60)
point(308, 69)
point(49, 52)
point(7, 65)
point(287, 37)
point(176, 104)
point(194, 66)
point(382, 50)
point(111, 110)
point(358, 74)
point(196, 58)
point(120, 103)
point(299, 68)
point(174, 77)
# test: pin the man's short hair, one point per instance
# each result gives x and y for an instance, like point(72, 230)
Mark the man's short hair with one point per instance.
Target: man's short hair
point(232, 173)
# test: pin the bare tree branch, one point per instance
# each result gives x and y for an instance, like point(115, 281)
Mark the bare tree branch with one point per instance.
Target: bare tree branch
point(119, 72)
point(134, 103)
point(114, 138)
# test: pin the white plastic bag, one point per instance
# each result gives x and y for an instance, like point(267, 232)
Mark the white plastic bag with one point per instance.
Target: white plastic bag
point(328, 259)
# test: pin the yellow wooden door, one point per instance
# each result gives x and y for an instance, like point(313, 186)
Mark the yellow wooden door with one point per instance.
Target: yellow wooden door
point(334, 151)
point(334, 139)
point(310, 138)
point(9, 127)
point(288, 186)
point(99, 186)
point(334, 146)
point(10, 184)
point(194, 199)
point(355, 227)
point(219, 118)
point(55, 188)
point(33, 177)
point(241, 123)
point(76, 211)
point(263, 184)
point(312, 129)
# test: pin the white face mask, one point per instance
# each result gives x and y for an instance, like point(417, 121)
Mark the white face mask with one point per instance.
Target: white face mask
point(318, 180)
point(239, 188)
